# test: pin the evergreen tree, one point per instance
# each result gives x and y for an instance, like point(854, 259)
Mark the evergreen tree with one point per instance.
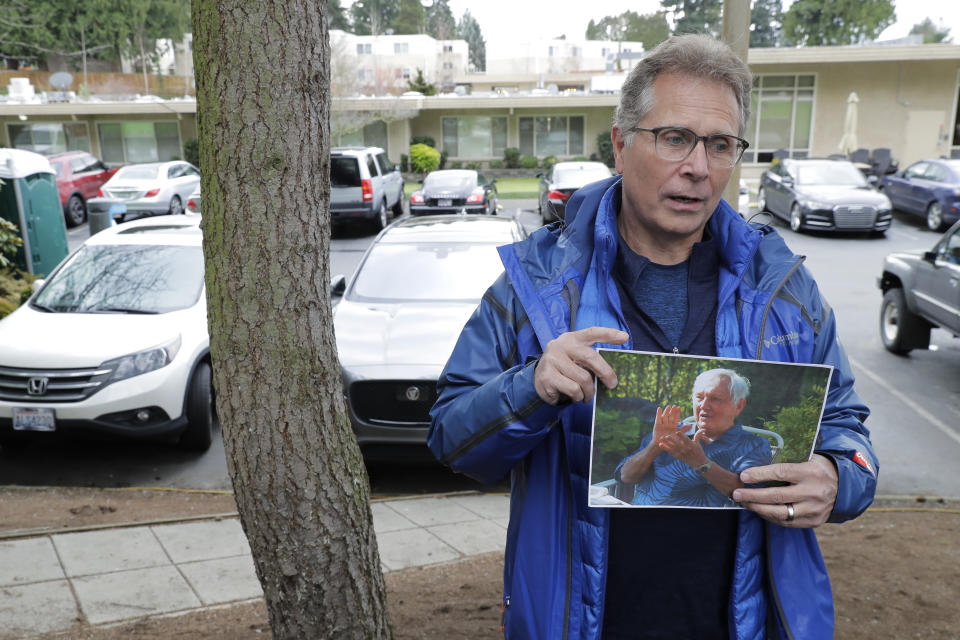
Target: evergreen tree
point(469, 30)
point(419, 83)
point(931, 33)
point(372, 17)
point(410, 18)
point(766, 23)
point(440, 21)
point(695, 16)
point(337, 16)
point(836, 22)
point(650, 29)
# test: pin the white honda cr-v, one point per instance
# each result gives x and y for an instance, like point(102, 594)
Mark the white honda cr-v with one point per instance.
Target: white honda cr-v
point(114, 343)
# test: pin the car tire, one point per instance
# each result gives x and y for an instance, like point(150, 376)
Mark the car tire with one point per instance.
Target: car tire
point(398, 207)
point(761, 200)
point(796, 218)
point(176, 206)
point(380, 220)
point(901, 330)
point(935, 216)
point(76, 211)
point(200, 411)
point(492, 206)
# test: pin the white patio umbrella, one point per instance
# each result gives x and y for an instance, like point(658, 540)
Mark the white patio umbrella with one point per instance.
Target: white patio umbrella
point(848, 143)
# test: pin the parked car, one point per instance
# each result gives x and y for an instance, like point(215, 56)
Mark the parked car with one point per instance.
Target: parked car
point(400, 316)
point(193, 201)
point(152, 188)
point(929, 188)
point(558, 184)
point(743, 200)
point(114, 343)
point(455, 191)
point(823, 195)
point(364, 186)
point(79, 177)
point(921, 290)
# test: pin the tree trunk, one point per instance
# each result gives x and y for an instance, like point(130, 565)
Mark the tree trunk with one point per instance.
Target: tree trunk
point(262, 71)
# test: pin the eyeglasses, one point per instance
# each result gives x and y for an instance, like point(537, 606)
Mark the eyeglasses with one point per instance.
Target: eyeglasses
point(676, 143)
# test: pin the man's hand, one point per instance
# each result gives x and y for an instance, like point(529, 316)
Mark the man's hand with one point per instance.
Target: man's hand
point(809, 496)
point(569, 362)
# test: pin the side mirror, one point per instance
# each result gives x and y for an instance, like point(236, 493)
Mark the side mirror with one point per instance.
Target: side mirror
point(787, 181)
point(930, 256)
point(338, 284)
point(492, 182)
point(37, 284)
point(540, 175)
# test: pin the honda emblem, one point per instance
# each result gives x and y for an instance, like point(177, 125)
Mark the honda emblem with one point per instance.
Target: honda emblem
point(37, 386)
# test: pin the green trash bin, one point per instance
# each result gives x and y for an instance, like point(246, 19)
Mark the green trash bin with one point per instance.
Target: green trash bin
point(29, 199)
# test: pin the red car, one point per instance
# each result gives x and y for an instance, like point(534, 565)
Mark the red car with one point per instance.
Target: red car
point(79, 176)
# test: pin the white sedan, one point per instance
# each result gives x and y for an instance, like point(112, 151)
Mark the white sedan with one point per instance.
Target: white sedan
point(151, 188)
point(114, 342)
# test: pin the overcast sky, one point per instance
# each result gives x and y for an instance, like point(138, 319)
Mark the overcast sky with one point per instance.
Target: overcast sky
point(530, 19)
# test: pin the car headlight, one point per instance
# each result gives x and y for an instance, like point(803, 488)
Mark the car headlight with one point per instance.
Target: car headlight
point(135, 364)
point(810, 203)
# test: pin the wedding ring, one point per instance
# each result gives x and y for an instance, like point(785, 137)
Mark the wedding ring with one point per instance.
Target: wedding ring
point(790, 512)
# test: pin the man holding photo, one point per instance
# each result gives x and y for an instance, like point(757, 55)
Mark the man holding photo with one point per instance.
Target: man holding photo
point(702, 469)
point(652, 260)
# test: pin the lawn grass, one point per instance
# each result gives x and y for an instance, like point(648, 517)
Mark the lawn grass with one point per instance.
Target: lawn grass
point(507, 188)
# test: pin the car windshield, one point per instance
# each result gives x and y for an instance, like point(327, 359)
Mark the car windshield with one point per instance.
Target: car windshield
point(581, 176)
point(830, 173)
point(126, 279)
point(344, 172)
point(953, 165)
point(424, 272)
point(138, 173)
point(450, 182)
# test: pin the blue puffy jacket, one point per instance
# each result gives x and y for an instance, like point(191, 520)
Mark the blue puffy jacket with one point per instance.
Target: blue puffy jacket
point(489, 421)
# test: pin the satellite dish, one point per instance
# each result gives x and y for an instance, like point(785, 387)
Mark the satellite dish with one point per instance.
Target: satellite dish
point(61, 80)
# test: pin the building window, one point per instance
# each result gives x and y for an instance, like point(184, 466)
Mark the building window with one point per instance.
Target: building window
point(49, 137)
point(129, 142)
point(551, 135)
point(448, 48)
point(364, 48)
point(373, 134)
point(475, 136)
point(365, 75)
point(448, 65)
point(781, 117)
point(552, 51)
point(401, 47)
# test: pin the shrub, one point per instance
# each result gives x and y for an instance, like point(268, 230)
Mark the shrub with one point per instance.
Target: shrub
point(511, 158)
point(528, 162)
point(443, 159)
point(605, 150)
point(424, 158)
point(404, 163)
point(191, 152)
point(427, 140)
point(9, 242)
point(549, 161)
point(456, 165)
point(14, 289)
point(496, 164)
point(476, 166)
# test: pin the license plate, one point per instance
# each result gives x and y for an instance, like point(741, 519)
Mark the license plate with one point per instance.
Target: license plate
point(444, 203)
point(117, 208)
point(30, 419)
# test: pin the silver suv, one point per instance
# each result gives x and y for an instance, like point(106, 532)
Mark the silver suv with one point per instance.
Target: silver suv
point(364, 186)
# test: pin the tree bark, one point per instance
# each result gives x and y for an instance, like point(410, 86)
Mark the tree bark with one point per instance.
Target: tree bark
point(262, 72)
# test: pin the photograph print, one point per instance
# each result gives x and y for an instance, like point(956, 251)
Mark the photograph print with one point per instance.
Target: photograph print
point(678, 430)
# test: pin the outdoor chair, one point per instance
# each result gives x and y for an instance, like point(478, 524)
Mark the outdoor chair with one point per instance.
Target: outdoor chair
point(861, 156)
point(882, 162)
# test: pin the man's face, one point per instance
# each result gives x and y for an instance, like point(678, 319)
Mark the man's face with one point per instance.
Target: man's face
point(714, 409)
point(672, 201)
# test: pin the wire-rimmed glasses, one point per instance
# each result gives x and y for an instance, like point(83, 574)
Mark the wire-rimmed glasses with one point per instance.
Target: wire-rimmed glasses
point(676, 143)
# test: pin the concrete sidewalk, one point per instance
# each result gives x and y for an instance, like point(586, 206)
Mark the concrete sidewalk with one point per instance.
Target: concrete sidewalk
point(49, 582)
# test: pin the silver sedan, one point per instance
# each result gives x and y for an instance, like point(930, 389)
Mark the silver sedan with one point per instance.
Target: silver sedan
point(152, 188)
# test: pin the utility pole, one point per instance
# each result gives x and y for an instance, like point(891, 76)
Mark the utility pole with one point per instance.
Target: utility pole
point(736, 33)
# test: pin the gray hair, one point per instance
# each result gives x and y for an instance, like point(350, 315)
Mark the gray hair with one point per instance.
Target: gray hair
point(692, 54)
point(737, 385)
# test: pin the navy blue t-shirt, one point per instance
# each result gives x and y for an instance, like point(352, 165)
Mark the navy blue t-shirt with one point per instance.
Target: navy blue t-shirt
point(669, 570)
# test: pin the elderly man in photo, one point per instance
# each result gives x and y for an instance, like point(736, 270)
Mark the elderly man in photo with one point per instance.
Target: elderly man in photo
point(652, 260)
point(701, 469)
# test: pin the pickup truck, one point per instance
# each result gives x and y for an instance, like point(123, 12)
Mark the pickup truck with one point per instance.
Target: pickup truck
point(921, 290)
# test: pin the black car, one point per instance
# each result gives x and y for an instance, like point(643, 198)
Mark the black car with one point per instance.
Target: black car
point(823, 195)
point(455, 191)
point(559, 183)
point(929, 188)
point(921, 290)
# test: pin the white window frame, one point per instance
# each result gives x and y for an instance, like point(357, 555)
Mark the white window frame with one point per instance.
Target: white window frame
point(401, 48)
point(493, 153)
point(153, 122)
point(752, 137)
point(568, 116)
point(32, 124)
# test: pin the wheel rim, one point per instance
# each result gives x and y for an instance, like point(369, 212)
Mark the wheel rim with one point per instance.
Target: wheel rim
point(75, 207)
point(175, 207)
point(761, 200)
point(891, 322)
point(795, 218)
point(934, 216)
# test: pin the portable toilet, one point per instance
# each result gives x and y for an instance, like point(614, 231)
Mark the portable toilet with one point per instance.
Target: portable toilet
point(29, 199)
